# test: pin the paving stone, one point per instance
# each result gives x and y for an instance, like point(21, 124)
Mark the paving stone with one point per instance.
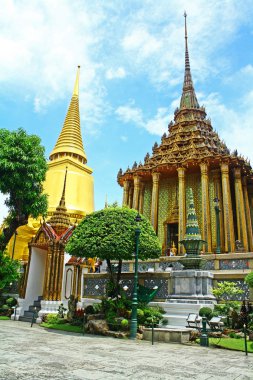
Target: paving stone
point(35, 353)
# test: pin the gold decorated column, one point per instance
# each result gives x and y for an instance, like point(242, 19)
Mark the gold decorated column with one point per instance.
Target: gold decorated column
point(126, 192)
point(182, 207)
point(141, 199)
point(206, 219)
point(136, 194)
point(247, 210)
point(240, 210)
point(227, 207)
point(154, 201)
point(130, 198)
point(218, 194)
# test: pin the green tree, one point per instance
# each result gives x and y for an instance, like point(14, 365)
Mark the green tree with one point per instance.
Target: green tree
point(9, 270)
point(226, 290)
point(22, 171)
point(110, 235)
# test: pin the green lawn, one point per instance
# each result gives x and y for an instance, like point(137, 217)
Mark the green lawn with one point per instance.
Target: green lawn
point(231, 344)
point(62, 327)
point(4, 318)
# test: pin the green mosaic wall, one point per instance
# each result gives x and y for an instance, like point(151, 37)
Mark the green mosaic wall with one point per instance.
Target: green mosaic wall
point(147, 200)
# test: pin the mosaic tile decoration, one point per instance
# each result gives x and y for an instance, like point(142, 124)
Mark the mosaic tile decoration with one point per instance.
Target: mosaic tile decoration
point(160, 282)
point(94, 287)
point(144, 267)
point(241, 284)
point(147, 200)
point(234, 264)
point(175, 265)
point(209, 265)
point(125, 267)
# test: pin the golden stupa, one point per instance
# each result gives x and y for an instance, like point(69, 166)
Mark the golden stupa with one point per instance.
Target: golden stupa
point(79, 193)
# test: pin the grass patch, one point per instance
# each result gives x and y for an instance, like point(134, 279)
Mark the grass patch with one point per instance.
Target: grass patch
point(4, 318)
point(62, 327)
point(231, 344)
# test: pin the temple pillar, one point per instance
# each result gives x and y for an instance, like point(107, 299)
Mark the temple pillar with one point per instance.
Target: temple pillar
point(154, 201)
point(60, 273)
point(240, 210)
point(126, 192)
point(47, 281)
point(248, 216)
point(74, 281)
point(182, 208)
point(79, 282)
point(218, 194)
point(141, 199)
point(130, 199)
point(206, 219)
point(136, 194)
point(227, 207)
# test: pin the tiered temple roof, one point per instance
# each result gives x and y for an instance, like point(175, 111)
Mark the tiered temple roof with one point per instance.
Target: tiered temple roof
point(190, 139)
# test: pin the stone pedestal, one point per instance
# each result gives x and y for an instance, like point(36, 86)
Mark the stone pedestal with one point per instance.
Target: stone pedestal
point(191, 290)
point(191, 285)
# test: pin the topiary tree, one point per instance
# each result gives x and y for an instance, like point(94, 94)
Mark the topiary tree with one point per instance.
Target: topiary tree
point(110, 235)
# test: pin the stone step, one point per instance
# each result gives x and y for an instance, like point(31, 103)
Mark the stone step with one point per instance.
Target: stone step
point(28, 314)
point(32, 308)
point(25, 319)
point(37, 304)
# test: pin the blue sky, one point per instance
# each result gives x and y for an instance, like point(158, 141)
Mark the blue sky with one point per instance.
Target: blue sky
point(132, 64)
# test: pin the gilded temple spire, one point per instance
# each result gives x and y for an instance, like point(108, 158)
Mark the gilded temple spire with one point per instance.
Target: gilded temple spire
point(188, 98)
point(60, 220)
point(70, 141)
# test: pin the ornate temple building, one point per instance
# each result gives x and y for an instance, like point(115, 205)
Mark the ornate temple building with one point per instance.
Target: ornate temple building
point(79, 193)
point(191, 155)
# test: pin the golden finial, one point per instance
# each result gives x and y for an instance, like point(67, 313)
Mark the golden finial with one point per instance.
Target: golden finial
point(76, 87)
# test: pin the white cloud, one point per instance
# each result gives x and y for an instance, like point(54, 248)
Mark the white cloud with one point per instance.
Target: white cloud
point(234, 125)
point(159, 124)
point(124, 138)
point(155, 126)
point(130, 114)
point(120, 72)
point(41, 45)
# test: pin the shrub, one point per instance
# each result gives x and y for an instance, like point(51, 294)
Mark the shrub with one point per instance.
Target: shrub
point(11, 301)
point(89, 310)
point(206, 312)
point(52, 319)
point(249, 279)
point(124, 324)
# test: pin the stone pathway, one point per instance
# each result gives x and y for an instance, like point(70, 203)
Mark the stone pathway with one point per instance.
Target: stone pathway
point(33, 353)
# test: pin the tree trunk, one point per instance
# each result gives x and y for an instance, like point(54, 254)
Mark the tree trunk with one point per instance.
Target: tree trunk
point(10, 230)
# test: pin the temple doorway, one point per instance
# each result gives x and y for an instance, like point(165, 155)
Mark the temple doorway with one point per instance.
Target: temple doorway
point(172, 236)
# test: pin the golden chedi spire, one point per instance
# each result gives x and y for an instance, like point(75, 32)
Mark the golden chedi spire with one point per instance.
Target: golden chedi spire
point(60, 219)
point(188, 98)
point(70, 141)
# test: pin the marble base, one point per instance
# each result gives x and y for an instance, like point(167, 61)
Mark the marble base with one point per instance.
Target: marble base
point(191, 290)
